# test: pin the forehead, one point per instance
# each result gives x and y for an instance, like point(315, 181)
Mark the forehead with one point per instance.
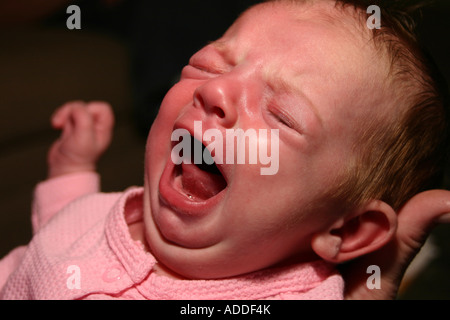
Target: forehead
point(292, 39)
point(313, 47)
point(317, 51)
point(288, 26)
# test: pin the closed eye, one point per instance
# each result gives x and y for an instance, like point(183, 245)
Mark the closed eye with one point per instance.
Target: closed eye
point(283, 117)
point(191, 72)
point(197, 72)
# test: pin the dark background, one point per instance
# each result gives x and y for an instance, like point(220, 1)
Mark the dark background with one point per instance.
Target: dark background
point(129, 53)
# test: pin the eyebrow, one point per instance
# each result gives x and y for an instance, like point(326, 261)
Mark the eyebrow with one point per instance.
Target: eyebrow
point(208, 64)
point(220, 45)
point(225, 51)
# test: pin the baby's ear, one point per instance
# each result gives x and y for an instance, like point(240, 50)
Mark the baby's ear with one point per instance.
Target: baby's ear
point(360, 232)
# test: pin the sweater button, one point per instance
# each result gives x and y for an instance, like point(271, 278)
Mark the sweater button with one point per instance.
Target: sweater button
point(112, 274)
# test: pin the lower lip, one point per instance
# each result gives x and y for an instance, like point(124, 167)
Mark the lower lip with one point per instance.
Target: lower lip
point(172, 196)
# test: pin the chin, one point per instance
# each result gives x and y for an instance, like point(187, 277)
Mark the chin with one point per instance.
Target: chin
point(203, 264)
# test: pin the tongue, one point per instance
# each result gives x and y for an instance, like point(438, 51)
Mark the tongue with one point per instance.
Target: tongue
point(199, 184)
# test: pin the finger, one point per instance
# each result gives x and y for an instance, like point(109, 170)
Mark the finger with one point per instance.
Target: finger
point(81, 125)
point(102, 114)
point(444, 218)
point(415, 221)
point(103, 118)
point(60, 117)
point(421, 214)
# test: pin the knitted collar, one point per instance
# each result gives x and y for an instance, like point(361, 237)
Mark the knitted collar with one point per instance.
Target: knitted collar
point(257, 285)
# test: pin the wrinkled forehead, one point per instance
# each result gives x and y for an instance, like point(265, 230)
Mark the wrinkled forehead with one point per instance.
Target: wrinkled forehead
point(309, 32)
point(319, 48)
point(296, 39)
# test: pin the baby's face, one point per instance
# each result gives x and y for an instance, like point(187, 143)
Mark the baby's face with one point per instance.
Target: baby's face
point(278, 69)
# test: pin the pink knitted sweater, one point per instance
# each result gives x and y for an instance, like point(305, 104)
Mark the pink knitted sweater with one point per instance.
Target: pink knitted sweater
point(82, 249)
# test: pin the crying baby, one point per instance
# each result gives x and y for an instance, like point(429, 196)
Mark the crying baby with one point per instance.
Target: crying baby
point(275, 157)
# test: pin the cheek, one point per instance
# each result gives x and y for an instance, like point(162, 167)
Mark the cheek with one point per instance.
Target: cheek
point(174, 100)
point(177, 98)
point(180, 95)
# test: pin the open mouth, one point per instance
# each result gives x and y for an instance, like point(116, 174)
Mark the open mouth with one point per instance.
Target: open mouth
point(198, 177)
point(189, 192)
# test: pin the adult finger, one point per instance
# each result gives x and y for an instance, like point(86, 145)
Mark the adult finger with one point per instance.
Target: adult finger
point(415, 221)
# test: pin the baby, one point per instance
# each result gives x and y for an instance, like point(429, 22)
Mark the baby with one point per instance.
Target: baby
point(358, 123)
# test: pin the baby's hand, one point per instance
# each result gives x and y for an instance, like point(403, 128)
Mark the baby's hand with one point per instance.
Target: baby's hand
point(86, 134)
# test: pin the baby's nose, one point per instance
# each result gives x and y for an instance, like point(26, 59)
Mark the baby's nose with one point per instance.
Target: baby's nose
point(218, 98)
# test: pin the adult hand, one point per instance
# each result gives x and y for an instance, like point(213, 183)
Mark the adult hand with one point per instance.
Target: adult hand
point(415, 221)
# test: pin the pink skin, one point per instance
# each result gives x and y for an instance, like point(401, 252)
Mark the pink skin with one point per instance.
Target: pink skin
point(86, 134)
point(259, 221)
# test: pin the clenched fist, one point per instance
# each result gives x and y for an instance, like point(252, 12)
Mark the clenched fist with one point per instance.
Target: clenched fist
point(86, 134)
